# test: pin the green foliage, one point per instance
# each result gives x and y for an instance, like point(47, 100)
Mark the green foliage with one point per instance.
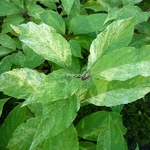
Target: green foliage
point(58, 56)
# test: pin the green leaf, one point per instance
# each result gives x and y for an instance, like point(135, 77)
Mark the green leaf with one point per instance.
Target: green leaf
point(68, 140)
point(57, 116)
point(36, 108)
point(110, 138)
point(93, 5)
point(75, 10)
point(20, 83)
point(51, 4)
point(2, 102)
point(54, 47)
point(75, 65)
point(144, 28)
point(90, 126)
point(18, 59)
point(5, 64)
point(37, 87)
point(35, 11)
point(131, 2)
point(137, 147)
point(12, 19)
point(6, 41)
point(117, 108)
point(113, 93)
point(29, 3)
point(19, 3)
point(109, 39)
point(5, 51)
point(67, 5)
point(93, 22)
point(132, 11)
point(54, 20)
point(87, 145)
point(108, 4)
point(8, 8)
point(28, 129)
point(125, 63)
point(32, 59)
point(75, 48)
point(57, 85)
point(84, 40)
point(140, 40)
point(15, 118)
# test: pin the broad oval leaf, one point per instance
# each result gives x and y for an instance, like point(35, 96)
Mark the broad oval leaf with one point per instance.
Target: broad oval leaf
point(94, 22)
point(11, 19)
point(57, 85)
point(46, 42)
point(113, 93)
point(36, 87)
point(68, 140)
point(20, 83)
point(57, 116)
point(118, 14)
point(7, 41)
point(115, 36)
point(54, 20)
point(14, 119)
point(110, 138)
point(122, 64)
point(67, 5)
point(90, 126)
point(8, 8)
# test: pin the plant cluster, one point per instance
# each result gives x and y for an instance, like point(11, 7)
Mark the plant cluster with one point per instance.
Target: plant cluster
point(60, 56)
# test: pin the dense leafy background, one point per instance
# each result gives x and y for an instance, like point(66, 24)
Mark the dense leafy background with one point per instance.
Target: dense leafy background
point(74, 74)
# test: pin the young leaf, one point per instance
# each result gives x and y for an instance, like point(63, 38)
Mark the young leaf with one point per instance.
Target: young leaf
point(113, 93)
point(15, 118)
point(35, 11)
point(67, 140)
point(109, 39)
point(46, 42)
point(19, 3)
point(87, 145)
point(11, 19)
point(90, 131)
point(93, 5)
point(18, 59)
point(75, 10)
point(54, 20)
point(94, 22)
point(132, 11)
point(110, 137)
point(5, 51)
point(67, 5)
point(8, 8)
point(5, 64)
point(51, 4)
point(6, 41)
point(122, 64)
point(75, 48)
point(57, 116)
point(84, 40)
